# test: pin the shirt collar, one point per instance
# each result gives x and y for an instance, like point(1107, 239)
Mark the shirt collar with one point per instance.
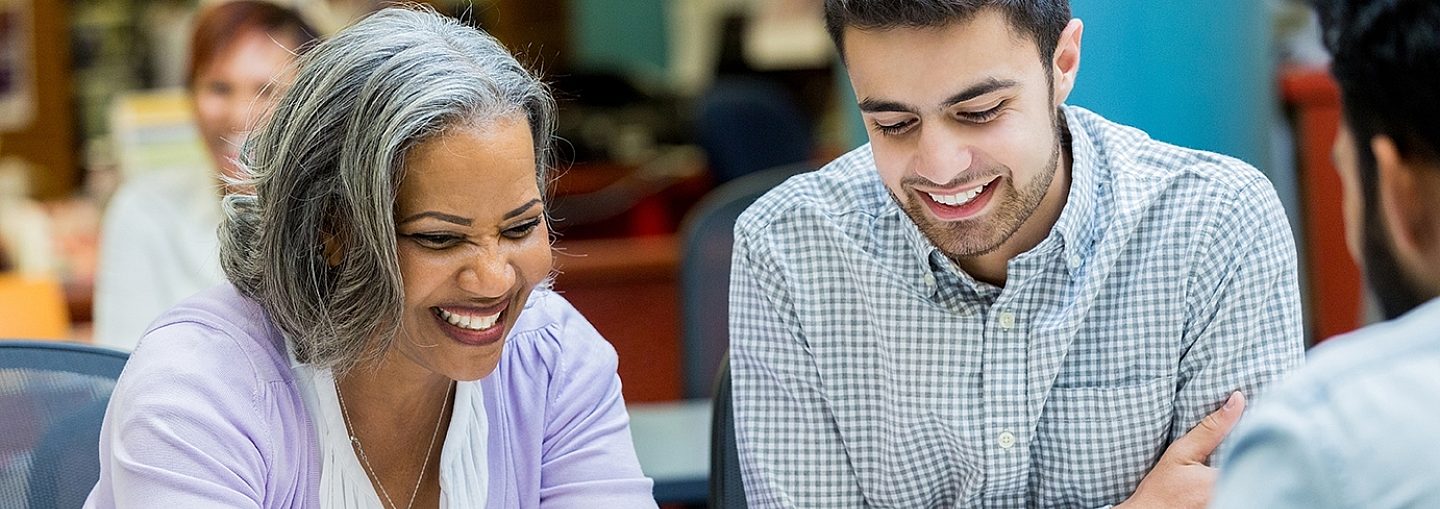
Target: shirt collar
point(1075, 227)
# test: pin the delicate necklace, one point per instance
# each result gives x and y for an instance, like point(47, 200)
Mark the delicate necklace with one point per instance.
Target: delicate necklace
point(361, 449)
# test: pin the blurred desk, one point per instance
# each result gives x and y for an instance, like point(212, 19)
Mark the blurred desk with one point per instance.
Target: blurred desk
point(673, 443)
point(628, 288)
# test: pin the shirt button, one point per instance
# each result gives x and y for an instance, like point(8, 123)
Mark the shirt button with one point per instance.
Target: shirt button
point(1074, 260)
point(930, 279)
point(1007, 320)
point(1007, 440)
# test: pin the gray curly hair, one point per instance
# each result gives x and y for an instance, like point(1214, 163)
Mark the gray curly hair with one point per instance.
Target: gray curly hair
point(327, 166)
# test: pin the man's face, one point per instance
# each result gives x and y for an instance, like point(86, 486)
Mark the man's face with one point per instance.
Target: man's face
point(1365, 232)
point(963, 124)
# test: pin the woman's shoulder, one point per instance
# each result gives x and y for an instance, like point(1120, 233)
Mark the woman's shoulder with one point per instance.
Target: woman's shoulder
point(218, 332)
point(550, 326)
point(553, 345)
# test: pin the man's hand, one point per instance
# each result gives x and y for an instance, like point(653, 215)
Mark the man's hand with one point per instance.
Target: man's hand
point(1181, 479)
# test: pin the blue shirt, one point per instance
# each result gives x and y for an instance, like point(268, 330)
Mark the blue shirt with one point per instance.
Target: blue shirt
point(1358, 427)
point(869, 370)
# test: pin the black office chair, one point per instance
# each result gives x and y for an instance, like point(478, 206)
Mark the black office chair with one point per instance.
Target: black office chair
point(726, 489)
point(54, 395)
point(707, 236)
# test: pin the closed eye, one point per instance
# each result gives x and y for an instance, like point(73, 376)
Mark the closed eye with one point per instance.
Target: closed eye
point(522, 230)
point(981, 117)
point(435, 240)
point(894, 129)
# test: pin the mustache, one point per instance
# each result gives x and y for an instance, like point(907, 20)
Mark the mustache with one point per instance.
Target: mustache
point(967, 179)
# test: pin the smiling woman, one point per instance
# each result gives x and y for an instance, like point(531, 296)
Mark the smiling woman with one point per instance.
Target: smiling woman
point(388, 293)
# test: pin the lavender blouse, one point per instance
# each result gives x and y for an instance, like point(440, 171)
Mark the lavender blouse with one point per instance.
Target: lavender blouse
point(208, 413)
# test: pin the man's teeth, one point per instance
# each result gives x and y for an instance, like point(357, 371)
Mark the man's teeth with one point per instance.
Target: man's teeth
point(957, 199)
point(470, 322)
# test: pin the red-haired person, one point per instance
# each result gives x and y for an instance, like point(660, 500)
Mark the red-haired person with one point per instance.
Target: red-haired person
point(159, 241)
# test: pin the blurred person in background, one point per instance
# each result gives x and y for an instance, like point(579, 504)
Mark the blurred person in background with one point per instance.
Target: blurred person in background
point(158, 242)
point(1351, 429)
point(388, 337)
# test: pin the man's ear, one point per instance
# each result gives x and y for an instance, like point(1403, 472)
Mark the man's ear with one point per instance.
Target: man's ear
point(1066, 62)
point(1408, 202)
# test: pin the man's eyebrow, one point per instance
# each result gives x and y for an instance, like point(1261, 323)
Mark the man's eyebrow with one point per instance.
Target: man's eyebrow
point(979, 89)
point(879, 106)
point(870, 105)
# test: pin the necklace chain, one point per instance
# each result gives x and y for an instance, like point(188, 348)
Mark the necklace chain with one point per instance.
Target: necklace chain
point(350, 429)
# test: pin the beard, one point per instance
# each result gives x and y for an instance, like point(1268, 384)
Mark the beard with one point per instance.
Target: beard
point(1395, 292)
point(982, 235)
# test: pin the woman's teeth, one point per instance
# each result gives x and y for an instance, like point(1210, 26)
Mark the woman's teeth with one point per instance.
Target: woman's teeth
point(470, 322)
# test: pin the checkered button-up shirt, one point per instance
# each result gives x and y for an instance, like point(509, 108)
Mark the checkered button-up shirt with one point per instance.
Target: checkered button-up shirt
point(871, 371)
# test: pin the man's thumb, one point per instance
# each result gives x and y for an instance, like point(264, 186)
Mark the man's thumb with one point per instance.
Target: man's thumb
point(1196, 446)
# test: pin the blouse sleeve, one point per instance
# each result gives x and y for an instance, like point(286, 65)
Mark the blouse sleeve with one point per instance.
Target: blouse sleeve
point(181, 431)
point(588, 459)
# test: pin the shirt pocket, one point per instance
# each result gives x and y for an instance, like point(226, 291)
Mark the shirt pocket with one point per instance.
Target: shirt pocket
point(1093, 445)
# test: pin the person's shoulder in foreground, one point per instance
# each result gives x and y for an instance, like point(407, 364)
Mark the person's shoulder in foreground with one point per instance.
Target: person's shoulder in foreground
point(1350, 430)
point(1355, 428)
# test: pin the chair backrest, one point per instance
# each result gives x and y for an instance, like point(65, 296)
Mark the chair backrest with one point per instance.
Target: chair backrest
point(32, 307)
point(727, 491)
point(707, 236)
point(54, 395)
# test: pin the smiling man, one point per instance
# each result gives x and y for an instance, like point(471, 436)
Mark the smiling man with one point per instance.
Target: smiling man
point(1002, 300)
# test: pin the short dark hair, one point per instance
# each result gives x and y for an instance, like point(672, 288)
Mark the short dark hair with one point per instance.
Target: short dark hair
point(1387, 62)
point(1041, 20)
point(1386, 59)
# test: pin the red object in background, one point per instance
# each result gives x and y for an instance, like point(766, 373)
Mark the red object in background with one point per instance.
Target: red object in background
point(629, 290)
point(1335, 281)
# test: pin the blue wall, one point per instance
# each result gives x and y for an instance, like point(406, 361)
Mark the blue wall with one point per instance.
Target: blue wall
point(1196, 74)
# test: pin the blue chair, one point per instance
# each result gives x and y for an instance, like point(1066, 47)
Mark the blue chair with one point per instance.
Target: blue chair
point(54, 396)
point(707, 236)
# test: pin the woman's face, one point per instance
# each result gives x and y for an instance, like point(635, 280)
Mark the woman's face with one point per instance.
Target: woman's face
point(473, 242)
point(234, 92)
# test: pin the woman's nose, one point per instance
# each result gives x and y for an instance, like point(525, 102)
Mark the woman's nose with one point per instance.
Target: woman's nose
point(488, 275)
